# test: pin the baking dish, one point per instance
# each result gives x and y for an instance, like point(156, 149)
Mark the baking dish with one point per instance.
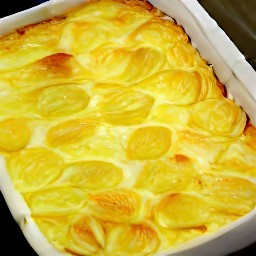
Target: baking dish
point(232, 70)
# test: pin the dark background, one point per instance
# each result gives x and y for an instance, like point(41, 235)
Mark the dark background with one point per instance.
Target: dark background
point(235, 17)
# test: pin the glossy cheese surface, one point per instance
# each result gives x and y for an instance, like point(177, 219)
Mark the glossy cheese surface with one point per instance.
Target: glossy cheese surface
point(118, 135)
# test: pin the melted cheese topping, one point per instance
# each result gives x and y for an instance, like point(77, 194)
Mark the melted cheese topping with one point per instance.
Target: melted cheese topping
point(118, 135)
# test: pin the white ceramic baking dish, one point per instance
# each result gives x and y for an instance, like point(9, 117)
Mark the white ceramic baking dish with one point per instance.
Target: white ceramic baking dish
point(231, 68)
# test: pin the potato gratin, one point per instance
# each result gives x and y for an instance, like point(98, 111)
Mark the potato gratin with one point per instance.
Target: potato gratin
point(118, 134)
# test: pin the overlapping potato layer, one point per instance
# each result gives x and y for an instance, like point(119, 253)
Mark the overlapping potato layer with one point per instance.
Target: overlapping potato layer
point(117, 133)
